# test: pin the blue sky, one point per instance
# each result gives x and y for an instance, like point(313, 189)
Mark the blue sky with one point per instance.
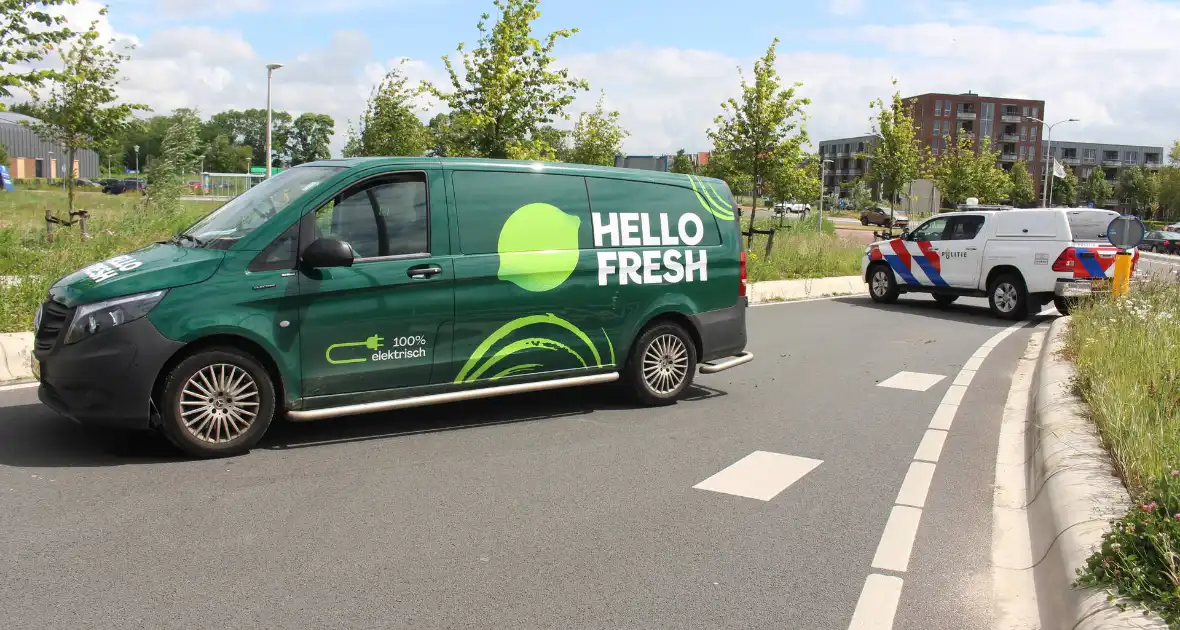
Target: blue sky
point(667, 65)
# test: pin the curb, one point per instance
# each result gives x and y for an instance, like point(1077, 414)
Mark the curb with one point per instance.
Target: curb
point(16, 348)
point(1075, 496)
point(15, 351)
point(787, 290)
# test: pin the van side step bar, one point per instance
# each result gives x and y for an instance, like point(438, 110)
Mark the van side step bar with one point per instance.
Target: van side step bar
point(448, 397)
point(713, 368)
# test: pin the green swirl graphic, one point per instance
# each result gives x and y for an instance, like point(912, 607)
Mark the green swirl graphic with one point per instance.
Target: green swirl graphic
point(709, 199)
point(479, 362)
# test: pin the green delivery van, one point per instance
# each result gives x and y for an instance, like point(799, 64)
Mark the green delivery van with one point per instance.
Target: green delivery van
point(374, 284)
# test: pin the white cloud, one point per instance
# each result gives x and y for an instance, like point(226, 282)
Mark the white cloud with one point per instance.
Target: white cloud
point(846, 7)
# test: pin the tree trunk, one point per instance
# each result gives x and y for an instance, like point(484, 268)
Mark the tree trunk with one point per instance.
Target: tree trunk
point(70, 182)
point(48, 225)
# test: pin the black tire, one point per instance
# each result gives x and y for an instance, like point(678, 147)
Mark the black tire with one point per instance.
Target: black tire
point(1008, 297)
point(202, 373)
point(671, 342)
point(882, 285)
point(864, 221)
point(1064, 306)
point(945, 300)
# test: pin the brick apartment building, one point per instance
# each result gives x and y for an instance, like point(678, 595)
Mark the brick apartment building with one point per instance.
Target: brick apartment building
point(940, 118)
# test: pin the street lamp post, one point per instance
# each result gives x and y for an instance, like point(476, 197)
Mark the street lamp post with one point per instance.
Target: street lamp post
point(1048, 156)
point(823, 177)
point(270, 70)
point(137, 160)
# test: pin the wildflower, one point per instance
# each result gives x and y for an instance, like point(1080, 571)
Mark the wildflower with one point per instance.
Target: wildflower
point(1149, 507)
point(1176, 473)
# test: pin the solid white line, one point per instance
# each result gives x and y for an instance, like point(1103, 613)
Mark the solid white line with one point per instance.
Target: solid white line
point(931, 446)
point(759, 475)
point(964, 378)
point(916, 485)
point(7, 388)
point(877, 604)
point(944, 416)
point(893, 552)
point(973, 363)
point(954, 395)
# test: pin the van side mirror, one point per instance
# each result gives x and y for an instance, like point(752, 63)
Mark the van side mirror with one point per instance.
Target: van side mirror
point(327, 252)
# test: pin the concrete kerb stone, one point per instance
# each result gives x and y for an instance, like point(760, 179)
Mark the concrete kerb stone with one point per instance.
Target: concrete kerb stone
point(16, 350)
point(1075, 494)
point(787, 290)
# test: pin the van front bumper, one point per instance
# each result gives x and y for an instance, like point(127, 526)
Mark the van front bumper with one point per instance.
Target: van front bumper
point(106, 379)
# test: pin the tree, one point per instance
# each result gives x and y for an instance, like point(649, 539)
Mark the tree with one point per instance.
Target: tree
point(1065, 189)
point(1138, 189)
point(310, 136)
point(223, 156)
point(961, 172)
point(720, 166)
point(597, 137)
point(682, 164)
point(1096, 189)
point(179, 154)
point(795, 181)
point(389, 126)
point(27, 33)
point(508, 89)
point(1024, 192)
point(897, 155)
point(1174, 153)
point(1169, 192)
point(860, 196)
point(248, 127)
point(3, 156)
point(82, 109)
point(763, 129)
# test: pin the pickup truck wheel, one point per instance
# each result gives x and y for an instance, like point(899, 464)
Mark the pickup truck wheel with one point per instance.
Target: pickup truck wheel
point(1008, 297)
point(882, 285)
point(1064, 306)
point(217, 403)
point(662, 365)
point(945, 300)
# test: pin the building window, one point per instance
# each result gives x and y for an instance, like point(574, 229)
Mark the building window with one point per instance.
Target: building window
point(1026, 110)
point(986, 119)
point(1090, 154)
point(1032, 154)
point(1036, 112)
point(1032, 134)
point(938, 129)
point(1023, 133)
point(1023, 153)
point(1133, 157)
point(860, 147)
point(938, 108)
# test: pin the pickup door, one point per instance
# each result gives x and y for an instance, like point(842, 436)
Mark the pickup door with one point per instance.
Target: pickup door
point(961, 250)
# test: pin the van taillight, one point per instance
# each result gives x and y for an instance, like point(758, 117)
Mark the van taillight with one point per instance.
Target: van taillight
point(742, 283)
point(1066, 261)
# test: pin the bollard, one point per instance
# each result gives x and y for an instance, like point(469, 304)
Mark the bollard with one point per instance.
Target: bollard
point(1122, 273)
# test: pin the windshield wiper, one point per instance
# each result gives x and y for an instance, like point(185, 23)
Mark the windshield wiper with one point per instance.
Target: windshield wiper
point(188, 237)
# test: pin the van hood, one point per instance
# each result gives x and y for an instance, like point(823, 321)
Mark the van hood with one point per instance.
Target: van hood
point(155, 267)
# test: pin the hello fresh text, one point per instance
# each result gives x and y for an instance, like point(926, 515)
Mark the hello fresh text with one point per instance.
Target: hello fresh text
point(634, 229)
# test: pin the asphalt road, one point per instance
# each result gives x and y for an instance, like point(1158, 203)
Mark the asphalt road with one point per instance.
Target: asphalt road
point(561, 510)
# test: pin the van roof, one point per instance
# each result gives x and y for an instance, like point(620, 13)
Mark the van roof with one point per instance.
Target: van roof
point(613, 172)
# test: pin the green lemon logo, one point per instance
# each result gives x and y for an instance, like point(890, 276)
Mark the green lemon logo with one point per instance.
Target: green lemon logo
point(538, 247)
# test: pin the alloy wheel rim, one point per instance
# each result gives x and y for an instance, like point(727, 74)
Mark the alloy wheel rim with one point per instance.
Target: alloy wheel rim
point(665, 364)
point(1005, 297)
point(880, 283)
point(219, 403)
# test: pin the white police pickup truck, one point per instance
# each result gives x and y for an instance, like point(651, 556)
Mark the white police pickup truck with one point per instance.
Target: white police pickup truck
point(1019, 259)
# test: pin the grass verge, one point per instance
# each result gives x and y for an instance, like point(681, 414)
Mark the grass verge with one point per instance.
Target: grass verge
point(802, 252)
point(29, 265)
point(1127, 354)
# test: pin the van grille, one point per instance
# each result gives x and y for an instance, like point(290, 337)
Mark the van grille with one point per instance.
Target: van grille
point(54, 317)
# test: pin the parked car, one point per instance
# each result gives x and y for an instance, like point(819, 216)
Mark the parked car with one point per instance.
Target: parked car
point(1162, 242)
point(86, 183)
point(120, 186)
point(1019, 260)
point(880, 216)
point(792, 208)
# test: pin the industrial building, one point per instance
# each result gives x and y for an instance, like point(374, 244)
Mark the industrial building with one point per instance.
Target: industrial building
point(31, 157)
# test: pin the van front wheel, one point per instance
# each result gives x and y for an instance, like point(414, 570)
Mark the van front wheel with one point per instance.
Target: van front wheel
point(217, 403)
point(662, 365)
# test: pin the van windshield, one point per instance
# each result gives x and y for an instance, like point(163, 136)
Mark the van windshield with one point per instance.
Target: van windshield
point(246, 212)
point(1090, 225)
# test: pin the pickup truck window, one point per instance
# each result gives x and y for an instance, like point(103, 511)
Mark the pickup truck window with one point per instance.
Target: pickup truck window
point(964, 228)
point(930, 231)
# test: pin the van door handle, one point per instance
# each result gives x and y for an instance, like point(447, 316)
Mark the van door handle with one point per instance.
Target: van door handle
point(971, 249)
point(423, 271)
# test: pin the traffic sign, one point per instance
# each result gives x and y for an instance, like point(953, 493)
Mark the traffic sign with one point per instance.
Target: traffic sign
point(1126, 232)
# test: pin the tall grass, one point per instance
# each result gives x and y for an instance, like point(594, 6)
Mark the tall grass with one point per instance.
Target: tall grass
point(802, 252)
point(29, 265)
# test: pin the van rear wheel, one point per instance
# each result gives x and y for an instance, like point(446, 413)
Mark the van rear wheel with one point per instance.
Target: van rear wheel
point(1008, 297)
point(662, 365)
point(217, 403)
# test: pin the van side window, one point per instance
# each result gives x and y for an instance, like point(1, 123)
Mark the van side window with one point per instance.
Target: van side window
point(653, 200)
point(964, 228)
point(385, 216)
point(931, 230)
point(280, 254)
point(487, 199)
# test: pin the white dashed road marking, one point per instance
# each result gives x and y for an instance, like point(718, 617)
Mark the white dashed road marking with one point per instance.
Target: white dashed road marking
point(913, 381)
point(760, 475)
point(879, 598)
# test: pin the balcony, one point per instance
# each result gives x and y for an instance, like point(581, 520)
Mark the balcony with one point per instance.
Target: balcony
point(1010, 137)
point(843, 153)
point(854, 172)
point(1007, 157)
point(965, 115)
point(1152, 165)
point(1011, 118)
point(1070, 160)
point(1112, 162)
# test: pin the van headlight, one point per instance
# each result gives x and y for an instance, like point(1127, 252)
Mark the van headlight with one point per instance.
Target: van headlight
point(91, 319)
